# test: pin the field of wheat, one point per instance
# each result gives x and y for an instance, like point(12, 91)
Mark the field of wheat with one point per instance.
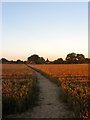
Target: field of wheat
point(75, 84)
point(17, 85)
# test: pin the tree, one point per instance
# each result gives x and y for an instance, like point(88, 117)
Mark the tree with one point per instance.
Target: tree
point(19, 62)
point(3, 60)
point(47, 61)
point(87, 60)
point(71, 58)
point(42, 60)
point(75, 58)
point(80, 58)
point(58, 61)
point(35, 59)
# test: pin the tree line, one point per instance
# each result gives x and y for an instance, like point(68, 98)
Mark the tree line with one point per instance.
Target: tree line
point(71, 58)
point(5, 61)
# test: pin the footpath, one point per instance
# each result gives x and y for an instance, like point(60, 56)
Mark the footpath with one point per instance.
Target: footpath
point(49, 104)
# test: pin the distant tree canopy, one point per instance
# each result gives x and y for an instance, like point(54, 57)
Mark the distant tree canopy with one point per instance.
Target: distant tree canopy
point(75, 58)
point(58, 61)
point(47, 61)
point(3, 60)
point(19, 61)
point(71, 58)
point(35, 59)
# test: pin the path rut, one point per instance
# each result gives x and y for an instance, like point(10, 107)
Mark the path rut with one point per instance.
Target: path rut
point(49, 104)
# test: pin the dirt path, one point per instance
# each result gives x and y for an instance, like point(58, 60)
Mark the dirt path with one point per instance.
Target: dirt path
point(49, 105)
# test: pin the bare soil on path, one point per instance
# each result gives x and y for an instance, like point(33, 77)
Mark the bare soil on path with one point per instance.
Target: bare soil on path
point(49, 105)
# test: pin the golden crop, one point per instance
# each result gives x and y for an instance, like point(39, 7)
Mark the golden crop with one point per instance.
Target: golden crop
point(17, 83)
point(75, 84)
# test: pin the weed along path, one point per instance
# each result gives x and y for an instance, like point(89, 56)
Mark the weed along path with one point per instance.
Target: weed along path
point(49, 103)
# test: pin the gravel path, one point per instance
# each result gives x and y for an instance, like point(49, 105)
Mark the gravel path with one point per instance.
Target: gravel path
point(49, 104)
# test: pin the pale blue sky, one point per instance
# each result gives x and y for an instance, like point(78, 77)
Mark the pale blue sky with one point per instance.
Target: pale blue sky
point(51, 30)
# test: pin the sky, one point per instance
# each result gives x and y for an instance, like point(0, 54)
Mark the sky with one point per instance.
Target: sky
point(49, 29)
